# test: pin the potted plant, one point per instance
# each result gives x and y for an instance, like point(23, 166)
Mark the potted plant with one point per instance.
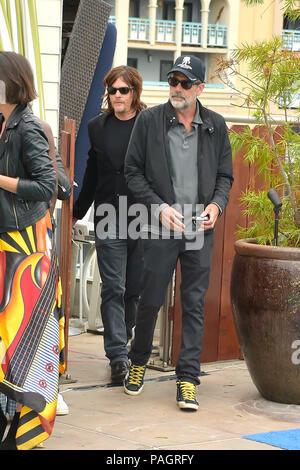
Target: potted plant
point(265, 282)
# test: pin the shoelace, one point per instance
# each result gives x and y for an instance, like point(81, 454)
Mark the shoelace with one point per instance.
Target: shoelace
point(188, 390)
point(136, 374)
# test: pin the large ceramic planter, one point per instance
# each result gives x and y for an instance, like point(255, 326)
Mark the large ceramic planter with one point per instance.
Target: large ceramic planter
point(265, 295)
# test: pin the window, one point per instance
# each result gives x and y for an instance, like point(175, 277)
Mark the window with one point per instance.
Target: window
point(169, 11)
point(165, 67)
point(134, 9)
point(289, 24)
point(187, 12)
point(132, 62)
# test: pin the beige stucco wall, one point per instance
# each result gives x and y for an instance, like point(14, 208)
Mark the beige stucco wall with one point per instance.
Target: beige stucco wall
point(49, 13)
point(260, 23)
point(256, 23)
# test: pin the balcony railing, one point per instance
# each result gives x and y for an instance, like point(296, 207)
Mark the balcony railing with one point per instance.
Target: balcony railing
point(139, 30)
point(191, 33)
point(291, 39)
point(217, 35)
point(165, 31)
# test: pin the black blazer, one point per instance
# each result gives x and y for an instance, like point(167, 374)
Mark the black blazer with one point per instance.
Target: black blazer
point(102, 182)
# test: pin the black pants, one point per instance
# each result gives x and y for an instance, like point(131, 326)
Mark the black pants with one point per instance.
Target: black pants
point(120, 264)
point(160, 259)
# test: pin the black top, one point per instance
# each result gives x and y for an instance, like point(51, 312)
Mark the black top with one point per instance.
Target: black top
point(117, 135)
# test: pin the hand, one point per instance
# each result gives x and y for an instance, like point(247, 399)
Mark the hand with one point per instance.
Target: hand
point(170, 218)
point(213, 211)
point(74, 220)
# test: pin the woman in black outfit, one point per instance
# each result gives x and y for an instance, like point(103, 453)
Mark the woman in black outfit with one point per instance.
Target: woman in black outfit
point(31, 318)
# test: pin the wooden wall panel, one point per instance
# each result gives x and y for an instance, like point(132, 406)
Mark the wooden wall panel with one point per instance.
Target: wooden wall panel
point(67, 152)
point(228, 347)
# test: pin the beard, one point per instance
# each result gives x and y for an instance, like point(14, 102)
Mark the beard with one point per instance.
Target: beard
point(184, 103)
point(119, 107)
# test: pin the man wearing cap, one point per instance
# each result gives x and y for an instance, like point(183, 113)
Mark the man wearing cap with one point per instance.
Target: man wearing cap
point(179, 157)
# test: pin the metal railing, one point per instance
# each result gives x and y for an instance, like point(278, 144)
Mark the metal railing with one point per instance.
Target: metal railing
point(217, 35)
point(291, 39)
point(165, 31)
point(138, 29)
point(192, 33)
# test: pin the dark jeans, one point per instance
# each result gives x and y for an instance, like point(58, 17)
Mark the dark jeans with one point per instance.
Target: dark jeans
point(120, 264)
point(160, 259)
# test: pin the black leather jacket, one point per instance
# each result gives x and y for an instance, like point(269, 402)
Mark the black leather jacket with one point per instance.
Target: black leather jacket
point(24, 154)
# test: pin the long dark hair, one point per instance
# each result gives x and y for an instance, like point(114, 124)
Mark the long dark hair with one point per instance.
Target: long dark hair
point(133, 78)
point(16, 73)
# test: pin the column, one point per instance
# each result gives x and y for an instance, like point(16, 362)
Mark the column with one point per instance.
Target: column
point(278, 19)
point(122, 15)
point(204, 20)
point(233, 25)
point(178, 17)
point(152, 17)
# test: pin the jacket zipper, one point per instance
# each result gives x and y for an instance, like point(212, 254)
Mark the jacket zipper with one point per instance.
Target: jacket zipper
point(13, 202)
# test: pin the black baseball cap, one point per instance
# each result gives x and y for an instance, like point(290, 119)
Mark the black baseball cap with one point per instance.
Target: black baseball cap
point(192, 67)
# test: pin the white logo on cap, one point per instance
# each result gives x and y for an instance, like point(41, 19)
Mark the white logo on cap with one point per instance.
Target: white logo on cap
point(186, 63)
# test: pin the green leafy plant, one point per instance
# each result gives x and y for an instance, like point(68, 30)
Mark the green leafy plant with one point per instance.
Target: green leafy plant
point(271, 81)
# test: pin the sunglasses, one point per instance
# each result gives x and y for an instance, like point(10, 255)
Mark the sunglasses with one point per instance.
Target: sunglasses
point(186, 84)
point(124, 90)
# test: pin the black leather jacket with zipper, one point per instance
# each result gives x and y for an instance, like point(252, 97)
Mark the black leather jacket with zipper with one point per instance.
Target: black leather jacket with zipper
point(24, 154)
point(148, 160)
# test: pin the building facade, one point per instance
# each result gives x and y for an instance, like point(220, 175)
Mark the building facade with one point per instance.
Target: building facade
point(152, 33)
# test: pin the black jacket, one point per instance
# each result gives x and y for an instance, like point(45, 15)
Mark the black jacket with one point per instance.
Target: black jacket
point(147, 163)
point(24, 153)
point(102, 182)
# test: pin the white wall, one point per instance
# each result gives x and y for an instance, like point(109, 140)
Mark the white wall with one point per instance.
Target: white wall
point(49, 13)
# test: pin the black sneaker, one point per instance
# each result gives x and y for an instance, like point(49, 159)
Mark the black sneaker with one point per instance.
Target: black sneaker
point(186, 396)
point(118, 371)
point(134, 381)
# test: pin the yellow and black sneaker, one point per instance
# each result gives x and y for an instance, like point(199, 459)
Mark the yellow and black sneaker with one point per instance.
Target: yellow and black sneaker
point(134, 380)
point(186, 396)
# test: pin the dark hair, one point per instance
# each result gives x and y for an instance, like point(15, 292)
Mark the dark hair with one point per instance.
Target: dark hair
point(133, 78)
point(16, 73)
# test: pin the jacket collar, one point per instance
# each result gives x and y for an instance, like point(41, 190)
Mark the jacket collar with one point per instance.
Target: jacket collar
point(16, 115)
point(206, 120)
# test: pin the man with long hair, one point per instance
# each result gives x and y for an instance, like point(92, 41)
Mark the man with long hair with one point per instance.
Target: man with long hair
point(119, 256)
